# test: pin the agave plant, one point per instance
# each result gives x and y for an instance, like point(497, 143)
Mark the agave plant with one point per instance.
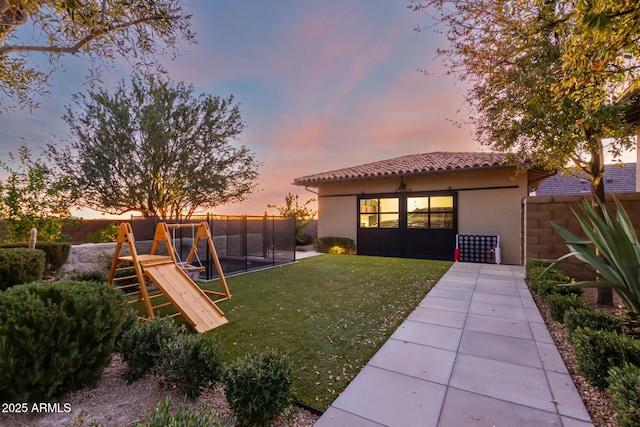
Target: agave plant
point(611, 252)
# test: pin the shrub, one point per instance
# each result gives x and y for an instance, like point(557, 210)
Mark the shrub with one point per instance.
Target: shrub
point(106, 235)
point(140, 346)
point(56, 253)
point(20, 265)
point(96, 276)
point(537, 263)
point(161, 417)
point(190, 362)
point(129, 321)
point(624, 389)
point(545, 283)
point(596, 351)
point(56, 337)
point(303, 238)
point(591, 318)
point(335, 245)
point(558, 304)
point(258, 388)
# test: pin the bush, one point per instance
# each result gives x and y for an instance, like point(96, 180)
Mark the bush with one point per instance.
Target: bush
point(545, 283)
point(558, 304)
point(20, 265)
point(106, 235)
point(190, 362)
point(597, 351)
point(96, 276)
point(624, 389)
point(140, 346)
point(56, 253)
point(161, 417)
point(591, 318)
point(335, 245)
point(258, 387)
point(537, 263)
point(303, 238)
point(56, 337)
point(129, 321)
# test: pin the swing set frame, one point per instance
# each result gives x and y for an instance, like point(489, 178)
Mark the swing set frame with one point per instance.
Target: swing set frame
point(202, 231)
point(135, 266)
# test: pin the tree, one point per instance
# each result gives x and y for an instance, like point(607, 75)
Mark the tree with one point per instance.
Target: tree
point(530, 97)
point(602, 53)
point(140, 31)
point(301, 213)
point(31, 197)
point(154, 147)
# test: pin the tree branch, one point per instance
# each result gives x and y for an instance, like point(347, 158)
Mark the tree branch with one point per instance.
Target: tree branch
point(94, 34)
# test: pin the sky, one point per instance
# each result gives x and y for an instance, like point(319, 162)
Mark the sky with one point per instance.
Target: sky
point(322, 85)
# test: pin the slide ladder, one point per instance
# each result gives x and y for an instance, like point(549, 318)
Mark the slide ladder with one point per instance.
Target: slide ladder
point(150, 276)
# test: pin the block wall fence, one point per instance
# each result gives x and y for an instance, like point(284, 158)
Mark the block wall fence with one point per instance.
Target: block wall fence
point(541, 241)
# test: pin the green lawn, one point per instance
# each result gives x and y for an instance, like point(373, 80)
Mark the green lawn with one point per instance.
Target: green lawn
point(329, 313)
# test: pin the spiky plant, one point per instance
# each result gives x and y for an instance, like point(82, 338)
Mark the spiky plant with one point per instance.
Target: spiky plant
point(611, 252)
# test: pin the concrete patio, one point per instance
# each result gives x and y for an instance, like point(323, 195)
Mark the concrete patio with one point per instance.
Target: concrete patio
point(475, 352)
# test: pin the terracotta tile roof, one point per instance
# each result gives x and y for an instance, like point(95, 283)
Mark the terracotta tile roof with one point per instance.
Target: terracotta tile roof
point(617, 179)
point(415, 164)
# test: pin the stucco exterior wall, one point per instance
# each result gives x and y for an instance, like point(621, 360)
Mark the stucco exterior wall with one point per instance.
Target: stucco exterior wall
point(488, 203)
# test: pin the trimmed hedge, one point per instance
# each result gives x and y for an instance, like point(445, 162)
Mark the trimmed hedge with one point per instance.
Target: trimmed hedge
point(596, 351)
point(624, 389)
point(56, 337)
point(20, 265)
point(56, 252)
point(97, 276)
point(592, 318)
point(335, 245)
point(547, 283)
point(559, 304)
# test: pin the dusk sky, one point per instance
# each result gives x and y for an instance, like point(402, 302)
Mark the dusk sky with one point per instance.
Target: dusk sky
point(321, 84)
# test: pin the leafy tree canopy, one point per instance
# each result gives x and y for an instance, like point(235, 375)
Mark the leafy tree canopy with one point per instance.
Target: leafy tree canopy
point(140, 31)
point(31, 197)
point(545, 75)
point(155, 147)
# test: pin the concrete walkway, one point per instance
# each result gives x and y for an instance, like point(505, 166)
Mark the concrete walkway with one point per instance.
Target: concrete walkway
point(475, 352)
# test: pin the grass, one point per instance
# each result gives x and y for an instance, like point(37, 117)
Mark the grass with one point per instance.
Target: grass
point(328, 313)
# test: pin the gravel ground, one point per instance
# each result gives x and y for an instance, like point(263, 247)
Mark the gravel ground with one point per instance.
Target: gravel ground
point(114, 403)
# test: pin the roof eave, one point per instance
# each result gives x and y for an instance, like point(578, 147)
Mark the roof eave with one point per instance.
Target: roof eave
point(314, 183)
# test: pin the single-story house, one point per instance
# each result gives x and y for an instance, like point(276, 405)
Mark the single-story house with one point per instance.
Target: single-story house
point(617, 179)
point(414, 206)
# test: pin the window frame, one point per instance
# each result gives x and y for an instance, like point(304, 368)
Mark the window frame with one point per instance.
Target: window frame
point(378, 212)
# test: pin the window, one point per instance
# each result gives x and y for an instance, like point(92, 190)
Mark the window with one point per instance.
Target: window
point(379, 212)
point(430, 212)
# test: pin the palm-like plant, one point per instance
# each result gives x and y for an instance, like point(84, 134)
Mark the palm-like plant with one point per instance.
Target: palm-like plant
point(611, 252)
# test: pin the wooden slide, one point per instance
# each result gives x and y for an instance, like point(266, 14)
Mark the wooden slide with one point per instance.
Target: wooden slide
point(184, 294)
point(170, 280)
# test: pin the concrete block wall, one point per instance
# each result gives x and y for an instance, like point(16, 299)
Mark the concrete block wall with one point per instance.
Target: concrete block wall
point(541, 241)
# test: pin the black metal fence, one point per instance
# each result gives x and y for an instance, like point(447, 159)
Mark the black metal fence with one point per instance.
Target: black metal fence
point(242, 243)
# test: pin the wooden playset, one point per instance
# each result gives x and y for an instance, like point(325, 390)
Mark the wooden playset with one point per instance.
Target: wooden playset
point(150, 276)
